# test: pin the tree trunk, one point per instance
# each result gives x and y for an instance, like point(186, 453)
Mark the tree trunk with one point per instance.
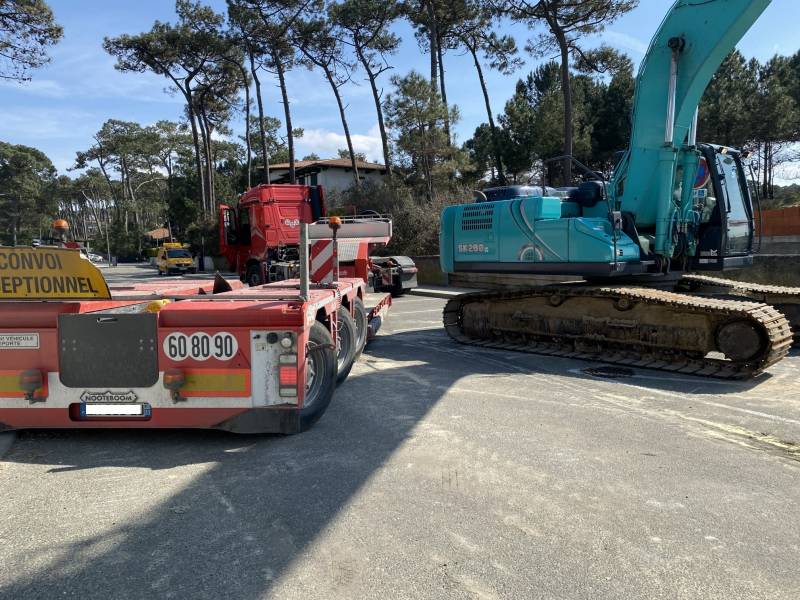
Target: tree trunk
point(498, 163)
point(204, 169)
point(206, 130)
point(288, 114)
point(378, 108)
point(197, 159)
point(566, 90)
point(432, 39)
point(261, 132)
point(248, 148)
point(443, 90)
point(771, 172)
point(335, 88)
point(102, 165)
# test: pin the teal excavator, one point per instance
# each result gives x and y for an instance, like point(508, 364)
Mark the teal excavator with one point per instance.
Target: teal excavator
point(642, 242)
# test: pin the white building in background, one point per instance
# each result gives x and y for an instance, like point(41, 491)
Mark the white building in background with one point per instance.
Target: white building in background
point(332, 174)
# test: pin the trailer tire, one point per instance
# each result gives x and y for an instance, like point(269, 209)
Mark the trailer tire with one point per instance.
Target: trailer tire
point(347, 348)
point(253, 276)
point(362, 325)
point(321, 366)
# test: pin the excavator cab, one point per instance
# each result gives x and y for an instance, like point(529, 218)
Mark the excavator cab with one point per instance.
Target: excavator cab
point(724, 205)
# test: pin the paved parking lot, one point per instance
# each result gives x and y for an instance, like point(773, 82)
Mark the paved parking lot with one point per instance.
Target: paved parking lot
point(440, 471)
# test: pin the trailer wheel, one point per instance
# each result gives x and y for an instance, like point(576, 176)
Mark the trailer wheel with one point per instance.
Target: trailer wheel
point(347, 346)
point(362, 325)
point(253, 275)
point(320, 375)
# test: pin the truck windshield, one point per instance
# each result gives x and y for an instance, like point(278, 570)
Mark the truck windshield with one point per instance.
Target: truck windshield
point(178, 254)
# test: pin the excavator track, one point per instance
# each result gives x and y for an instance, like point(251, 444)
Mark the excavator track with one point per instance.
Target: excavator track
point(639, 327)
point(785, 299)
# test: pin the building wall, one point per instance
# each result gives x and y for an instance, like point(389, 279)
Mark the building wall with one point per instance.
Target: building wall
point(340, 179)
point(332, 178)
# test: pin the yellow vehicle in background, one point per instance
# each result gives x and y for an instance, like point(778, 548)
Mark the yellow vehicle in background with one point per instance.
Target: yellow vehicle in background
point(174, 257)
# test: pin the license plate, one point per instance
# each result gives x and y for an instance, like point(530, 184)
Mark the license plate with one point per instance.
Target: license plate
point(115, 410)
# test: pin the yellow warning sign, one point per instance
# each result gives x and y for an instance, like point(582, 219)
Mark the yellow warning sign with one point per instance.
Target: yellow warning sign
point(49, 274)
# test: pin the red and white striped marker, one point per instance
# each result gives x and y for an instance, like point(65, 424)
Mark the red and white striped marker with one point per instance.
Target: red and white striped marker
point(323, 261)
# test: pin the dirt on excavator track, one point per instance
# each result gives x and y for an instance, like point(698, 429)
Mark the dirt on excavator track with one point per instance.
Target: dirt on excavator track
point(633, 326)
point(785, 299)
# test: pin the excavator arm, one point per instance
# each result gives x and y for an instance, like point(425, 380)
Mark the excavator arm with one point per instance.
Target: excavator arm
point(691, 43)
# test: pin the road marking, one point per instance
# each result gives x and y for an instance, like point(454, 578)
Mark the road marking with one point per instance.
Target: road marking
point(416, 312)
point(791, 449)
point(697, 400)
point(415, 329)
point(662, 378)
point(755, 413)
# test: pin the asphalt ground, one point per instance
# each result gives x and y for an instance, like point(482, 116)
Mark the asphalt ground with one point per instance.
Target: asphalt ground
point(439, 471)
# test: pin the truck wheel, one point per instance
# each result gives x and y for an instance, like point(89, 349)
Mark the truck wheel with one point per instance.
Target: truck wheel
point(253, 276)
point(362, 325)
point(347, 348)
point(320, 375)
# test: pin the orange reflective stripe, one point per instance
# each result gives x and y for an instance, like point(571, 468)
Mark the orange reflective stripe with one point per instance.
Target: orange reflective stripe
point(9, 385)
point(216, 382)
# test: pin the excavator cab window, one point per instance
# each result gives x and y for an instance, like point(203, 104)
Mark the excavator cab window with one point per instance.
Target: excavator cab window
point(737, 205)
point(723, 202)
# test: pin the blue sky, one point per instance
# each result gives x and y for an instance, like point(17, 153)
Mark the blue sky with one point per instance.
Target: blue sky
point(69, 99)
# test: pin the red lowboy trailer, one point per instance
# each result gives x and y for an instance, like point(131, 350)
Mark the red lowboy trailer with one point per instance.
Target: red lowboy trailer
point(196, 354)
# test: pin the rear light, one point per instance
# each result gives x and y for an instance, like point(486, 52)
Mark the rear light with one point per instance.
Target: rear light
point(30, 381)
point(174, 380)
point(287, 376)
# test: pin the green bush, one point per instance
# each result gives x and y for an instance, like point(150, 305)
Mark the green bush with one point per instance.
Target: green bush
point(415, 221)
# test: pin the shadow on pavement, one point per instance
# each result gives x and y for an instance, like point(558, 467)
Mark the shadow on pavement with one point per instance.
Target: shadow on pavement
point(240, 524)
point(437, 342)
point(237, 527)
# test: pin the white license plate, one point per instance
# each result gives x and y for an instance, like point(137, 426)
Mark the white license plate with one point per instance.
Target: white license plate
point(115, 410)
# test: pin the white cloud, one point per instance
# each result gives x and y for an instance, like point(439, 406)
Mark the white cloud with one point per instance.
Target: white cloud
point(625, 41)
point(787, 173)
point(325, 143)
point(31, 125)
point(47, 88)
point(92, 76)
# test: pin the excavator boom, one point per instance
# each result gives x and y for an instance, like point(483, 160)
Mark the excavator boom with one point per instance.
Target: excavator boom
point(685, 53)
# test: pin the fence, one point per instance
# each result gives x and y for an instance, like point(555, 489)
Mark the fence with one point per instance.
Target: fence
point(780, 222)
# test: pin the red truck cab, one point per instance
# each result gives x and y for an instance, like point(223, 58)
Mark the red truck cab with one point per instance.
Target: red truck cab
point(260, 238)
